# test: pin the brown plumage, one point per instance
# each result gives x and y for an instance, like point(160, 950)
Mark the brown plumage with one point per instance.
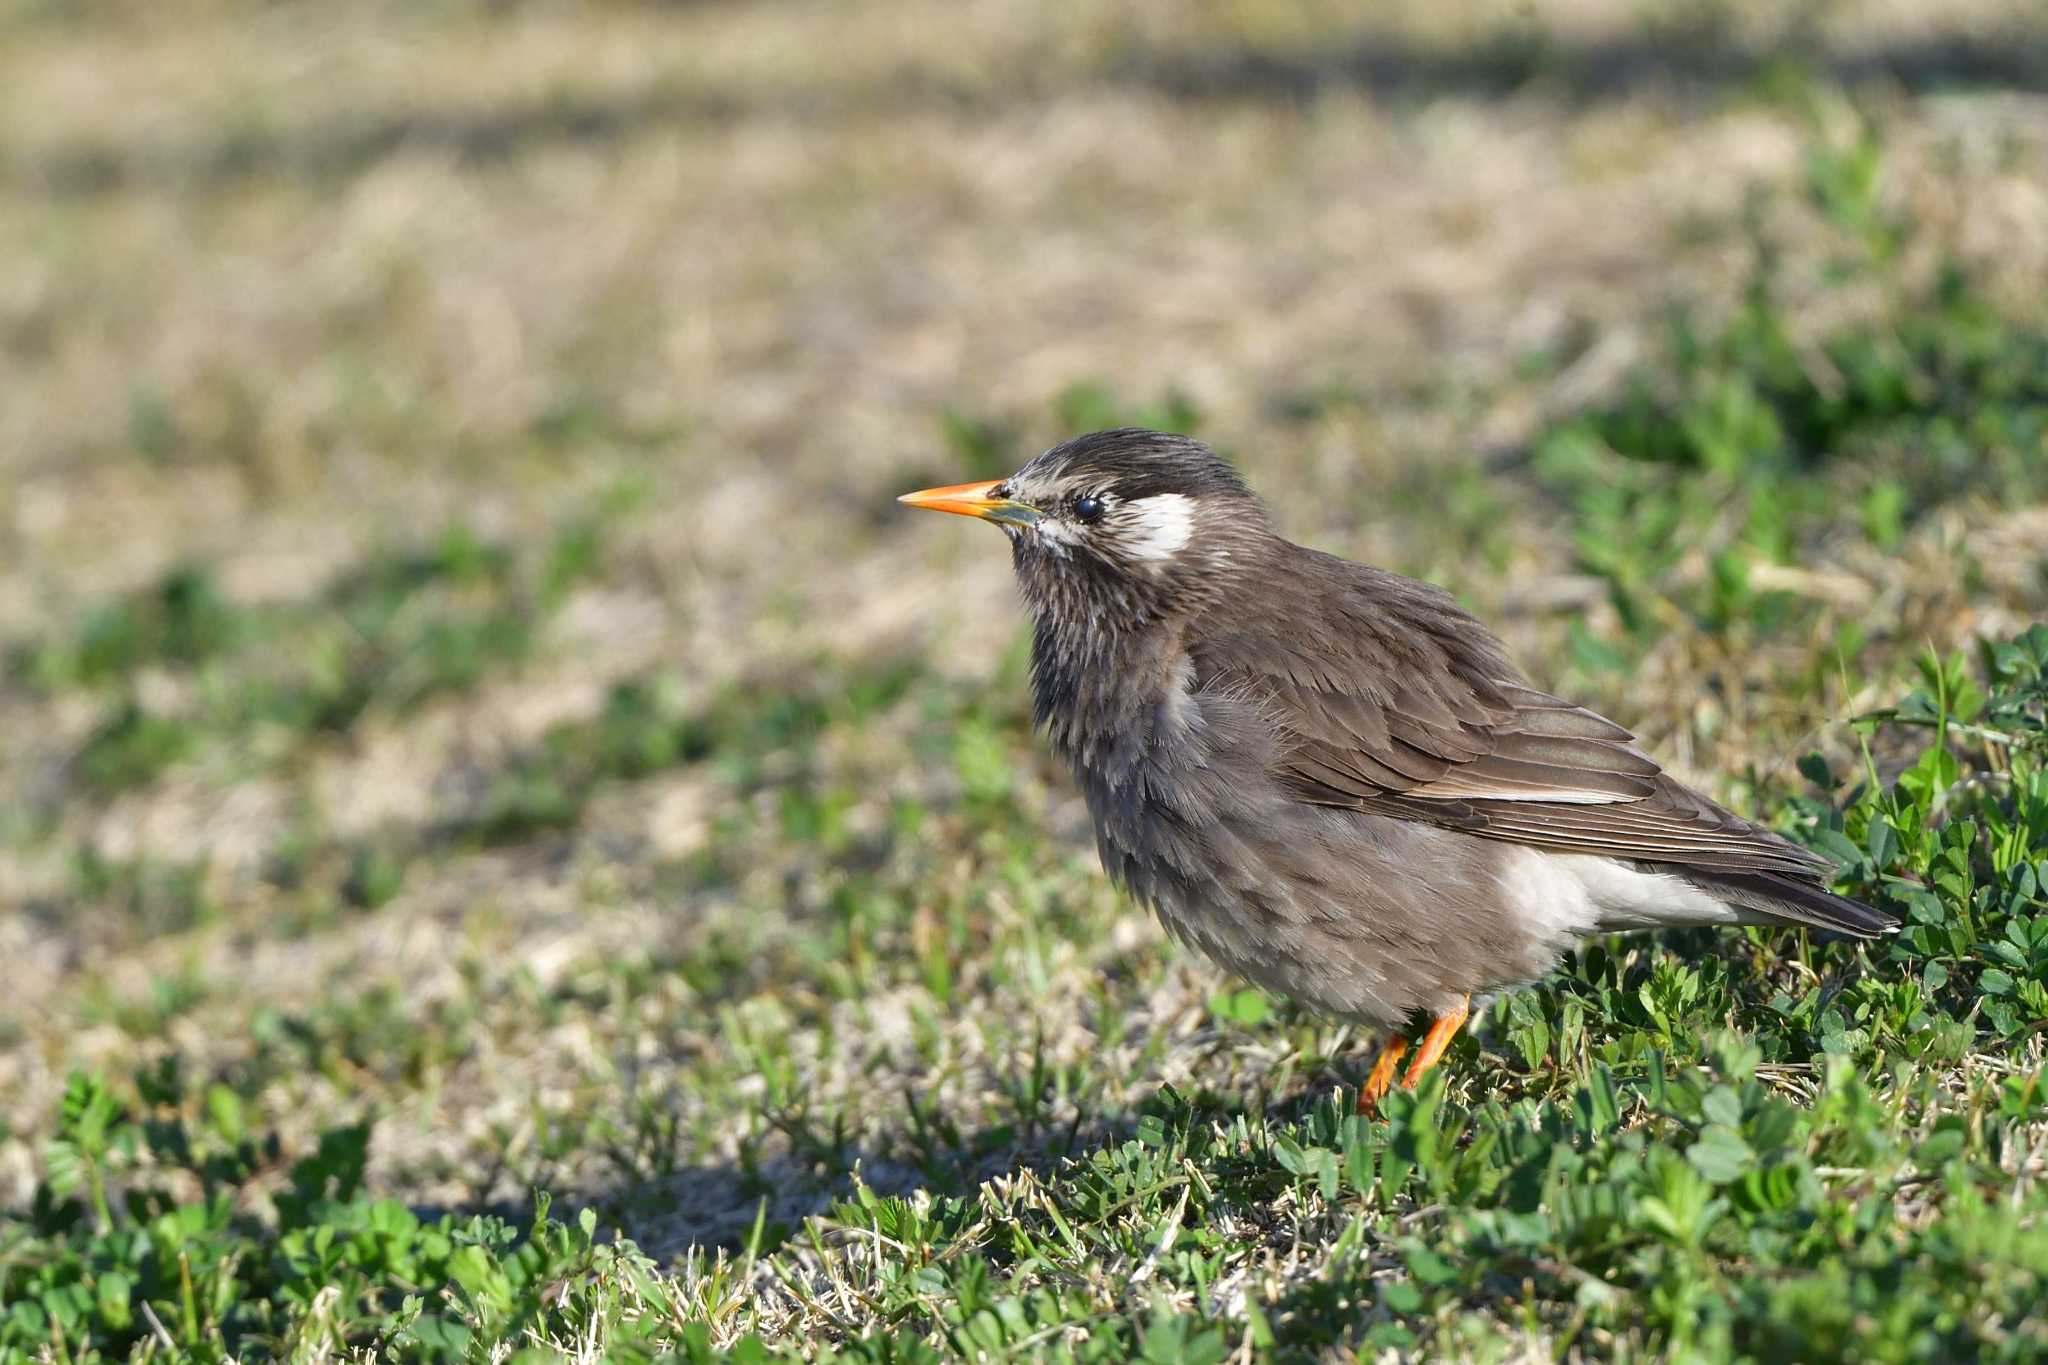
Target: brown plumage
point(1330, 778)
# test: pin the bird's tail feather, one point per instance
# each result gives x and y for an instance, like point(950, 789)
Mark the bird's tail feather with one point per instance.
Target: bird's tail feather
point(1788, 899)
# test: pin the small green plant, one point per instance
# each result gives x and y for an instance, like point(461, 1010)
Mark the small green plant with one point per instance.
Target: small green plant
point(236, 1269)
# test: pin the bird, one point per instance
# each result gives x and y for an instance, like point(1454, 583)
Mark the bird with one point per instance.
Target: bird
point(1329, 778)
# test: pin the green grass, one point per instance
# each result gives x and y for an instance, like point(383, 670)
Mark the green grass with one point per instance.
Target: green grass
point(407, 627)
point(1749, 437)
point(1745, 1150)
point(512, 847)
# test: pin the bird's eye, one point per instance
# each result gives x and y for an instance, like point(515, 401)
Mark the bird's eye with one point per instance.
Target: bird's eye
point(1088, 507)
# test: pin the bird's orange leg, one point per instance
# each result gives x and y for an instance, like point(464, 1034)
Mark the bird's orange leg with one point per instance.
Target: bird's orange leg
point(1435, 1041)
point(1382, 1078)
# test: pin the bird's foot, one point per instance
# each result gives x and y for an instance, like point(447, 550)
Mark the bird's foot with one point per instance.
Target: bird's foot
point(1442, 1030)
point(1383, 1072)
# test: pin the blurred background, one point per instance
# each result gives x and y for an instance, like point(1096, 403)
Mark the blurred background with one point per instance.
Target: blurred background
point(463, 668)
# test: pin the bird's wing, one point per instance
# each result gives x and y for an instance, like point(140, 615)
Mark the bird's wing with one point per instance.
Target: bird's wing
point(1395, 701)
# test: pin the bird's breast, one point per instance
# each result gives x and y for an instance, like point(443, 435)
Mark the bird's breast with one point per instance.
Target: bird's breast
point(1172, 784)
point(1323, 904)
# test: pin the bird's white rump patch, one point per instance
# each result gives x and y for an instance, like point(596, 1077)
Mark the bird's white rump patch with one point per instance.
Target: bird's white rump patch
point(1559, 896)
point(1160, 526)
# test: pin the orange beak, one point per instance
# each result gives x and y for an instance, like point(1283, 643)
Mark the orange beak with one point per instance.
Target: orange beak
point(972, 500)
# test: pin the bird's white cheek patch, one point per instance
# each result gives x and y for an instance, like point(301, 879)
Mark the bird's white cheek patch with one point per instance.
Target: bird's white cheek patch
point(1159, 526)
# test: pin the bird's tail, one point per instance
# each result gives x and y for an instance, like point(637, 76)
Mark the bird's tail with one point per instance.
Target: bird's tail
point(1776, 897)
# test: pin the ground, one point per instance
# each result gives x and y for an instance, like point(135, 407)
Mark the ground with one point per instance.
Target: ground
point(509, 838)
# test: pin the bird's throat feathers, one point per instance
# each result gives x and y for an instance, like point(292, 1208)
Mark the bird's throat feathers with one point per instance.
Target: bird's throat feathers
point(1106, 647)
point(1139, 533)
point(1099, 700)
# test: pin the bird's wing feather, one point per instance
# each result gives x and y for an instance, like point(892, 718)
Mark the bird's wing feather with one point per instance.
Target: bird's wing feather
point(1389, 698)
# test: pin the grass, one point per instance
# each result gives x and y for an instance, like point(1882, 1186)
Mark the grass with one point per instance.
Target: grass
point(406, 628)
point(1745, 1150)
point(1741, 445)
point(512, 848)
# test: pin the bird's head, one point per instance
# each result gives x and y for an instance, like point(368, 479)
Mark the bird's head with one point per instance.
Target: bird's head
point(1117, 527)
